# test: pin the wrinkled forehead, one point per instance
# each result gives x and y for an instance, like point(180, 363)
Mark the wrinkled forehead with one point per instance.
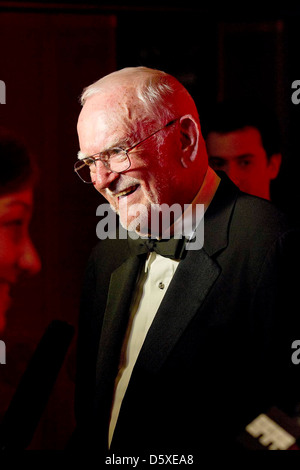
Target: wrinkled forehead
point(110, 113)
point(115, 102)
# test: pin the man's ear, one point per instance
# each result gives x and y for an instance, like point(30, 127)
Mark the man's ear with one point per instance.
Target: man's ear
point(274, 165)
point(189, 139)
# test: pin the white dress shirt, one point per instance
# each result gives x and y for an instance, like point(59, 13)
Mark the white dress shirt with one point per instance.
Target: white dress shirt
point(149, 292)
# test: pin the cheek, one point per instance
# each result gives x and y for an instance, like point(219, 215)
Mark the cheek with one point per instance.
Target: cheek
point(158, 178)
point(8, 251)
point(259, 173)
point(260, 165)
point(150, 190)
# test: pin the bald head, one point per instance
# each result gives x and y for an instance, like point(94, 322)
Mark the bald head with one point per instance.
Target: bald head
point(159, 93)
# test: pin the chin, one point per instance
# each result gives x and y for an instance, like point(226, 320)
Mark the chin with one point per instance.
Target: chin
point(138, 224)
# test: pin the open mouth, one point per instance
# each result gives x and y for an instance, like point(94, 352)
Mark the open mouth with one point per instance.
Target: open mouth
point(127, 191)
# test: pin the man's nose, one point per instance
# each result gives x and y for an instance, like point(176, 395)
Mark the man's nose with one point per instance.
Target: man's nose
point(29, 260)
point(102, 177)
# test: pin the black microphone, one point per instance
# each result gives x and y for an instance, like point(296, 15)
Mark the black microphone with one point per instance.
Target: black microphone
point(31, 396)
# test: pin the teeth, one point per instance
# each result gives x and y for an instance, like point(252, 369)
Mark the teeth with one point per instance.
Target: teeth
point(126, 191)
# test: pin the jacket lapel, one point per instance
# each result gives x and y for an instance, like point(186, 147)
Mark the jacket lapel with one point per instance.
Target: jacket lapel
point(181, 302)
point(115, 319)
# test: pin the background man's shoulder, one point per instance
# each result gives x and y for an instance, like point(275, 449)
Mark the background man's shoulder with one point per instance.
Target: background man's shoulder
point(262, 215)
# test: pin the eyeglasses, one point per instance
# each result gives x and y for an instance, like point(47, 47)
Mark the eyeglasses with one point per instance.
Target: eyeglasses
point(115, 159)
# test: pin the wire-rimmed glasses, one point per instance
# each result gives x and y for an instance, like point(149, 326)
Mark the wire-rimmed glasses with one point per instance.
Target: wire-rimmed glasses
point(115, 159)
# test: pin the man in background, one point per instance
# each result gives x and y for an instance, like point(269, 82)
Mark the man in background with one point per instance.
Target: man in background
point(243, 140)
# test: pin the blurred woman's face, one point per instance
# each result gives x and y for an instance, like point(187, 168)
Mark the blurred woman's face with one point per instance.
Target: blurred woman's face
point(17, 253)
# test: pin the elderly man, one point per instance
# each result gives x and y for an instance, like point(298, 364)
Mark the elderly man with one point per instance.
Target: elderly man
point(178, 348)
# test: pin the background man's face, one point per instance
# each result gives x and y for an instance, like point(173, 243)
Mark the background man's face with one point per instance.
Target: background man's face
point(242, 156)
point(17, 254)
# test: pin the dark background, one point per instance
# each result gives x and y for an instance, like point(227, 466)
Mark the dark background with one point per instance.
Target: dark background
point(48, 53)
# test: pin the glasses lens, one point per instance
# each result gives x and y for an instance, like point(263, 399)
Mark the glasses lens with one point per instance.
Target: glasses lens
point(119, 161)
point(82, 168)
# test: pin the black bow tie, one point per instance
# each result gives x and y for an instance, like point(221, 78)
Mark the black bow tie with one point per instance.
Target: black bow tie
point(171, 248)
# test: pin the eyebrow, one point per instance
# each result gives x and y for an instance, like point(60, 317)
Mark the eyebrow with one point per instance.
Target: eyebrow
point(25, 205)
point(245, 155)
point(81, 155)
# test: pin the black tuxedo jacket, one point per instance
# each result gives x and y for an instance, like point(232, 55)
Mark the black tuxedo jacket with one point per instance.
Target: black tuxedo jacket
point(218, 352)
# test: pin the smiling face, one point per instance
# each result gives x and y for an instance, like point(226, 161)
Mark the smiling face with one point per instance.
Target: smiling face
point(17, 253)
point(155, 173)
